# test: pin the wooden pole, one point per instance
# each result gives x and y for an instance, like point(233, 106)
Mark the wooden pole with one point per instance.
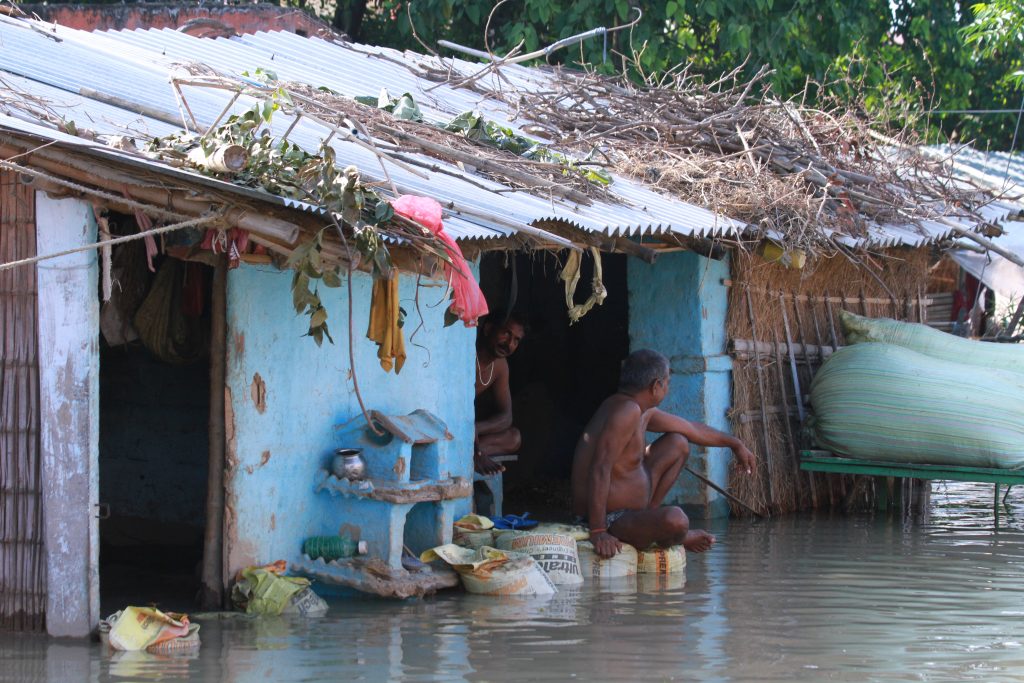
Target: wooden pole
point(764, 411)
point(811, 476)
point(786, 417)
point(213, 583)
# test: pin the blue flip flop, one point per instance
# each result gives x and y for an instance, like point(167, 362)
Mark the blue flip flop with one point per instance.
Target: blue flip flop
point(514, 522)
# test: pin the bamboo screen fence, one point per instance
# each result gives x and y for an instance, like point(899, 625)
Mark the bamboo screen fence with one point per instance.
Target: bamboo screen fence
point(22, 568)
point(782, 325)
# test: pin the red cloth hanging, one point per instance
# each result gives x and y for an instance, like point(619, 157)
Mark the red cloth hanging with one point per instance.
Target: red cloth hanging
point(469, 304)
point(232, 242)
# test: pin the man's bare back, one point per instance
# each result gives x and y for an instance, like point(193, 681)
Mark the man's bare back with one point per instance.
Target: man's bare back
point(618, 483)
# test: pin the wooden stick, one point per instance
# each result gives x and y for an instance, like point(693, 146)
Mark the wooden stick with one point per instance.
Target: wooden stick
point(734, 499)
point(811, 476)
point(792, 361)
point(831, 322)
point(760, 390)
point(785, 417)
point(213, 561)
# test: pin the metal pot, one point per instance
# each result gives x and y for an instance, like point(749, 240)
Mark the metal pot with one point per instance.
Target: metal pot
point(348, 463)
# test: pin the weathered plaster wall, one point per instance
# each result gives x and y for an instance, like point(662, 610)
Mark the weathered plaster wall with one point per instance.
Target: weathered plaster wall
point(69, 413)
point(281, 424)
point(678, 306)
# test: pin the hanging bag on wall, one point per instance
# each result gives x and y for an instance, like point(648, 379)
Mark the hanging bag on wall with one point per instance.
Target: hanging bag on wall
point(162, 324)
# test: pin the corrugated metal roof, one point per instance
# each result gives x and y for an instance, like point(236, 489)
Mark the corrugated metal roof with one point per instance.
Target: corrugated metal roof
point(137, 66)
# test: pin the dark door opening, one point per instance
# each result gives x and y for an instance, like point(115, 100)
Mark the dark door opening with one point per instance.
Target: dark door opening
point(154, 435)
point(560, 373)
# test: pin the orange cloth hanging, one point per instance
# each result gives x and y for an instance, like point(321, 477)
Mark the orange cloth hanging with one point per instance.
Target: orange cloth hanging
point(383, 328)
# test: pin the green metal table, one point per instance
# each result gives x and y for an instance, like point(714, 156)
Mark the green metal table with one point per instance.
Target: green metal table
point(825, 461)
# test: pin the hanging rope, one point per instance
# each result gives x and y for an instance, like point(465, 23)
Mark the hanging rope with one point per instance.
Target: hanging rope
point(114, 198)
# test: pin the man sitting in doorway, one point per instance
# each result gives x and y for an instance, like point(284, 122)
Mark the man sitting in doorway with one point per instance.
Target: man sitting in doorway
point(495, 435)
point(618, 483)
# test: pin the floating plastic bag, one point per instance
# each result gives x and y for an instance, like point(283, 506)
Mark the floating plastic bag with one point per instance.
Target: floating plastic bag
point(661, 560)
point(555, 553)
point(469, 304)
point(306, 603)
point(261, 590)
point(147, 628)
point(592, 566)
point(489, 571)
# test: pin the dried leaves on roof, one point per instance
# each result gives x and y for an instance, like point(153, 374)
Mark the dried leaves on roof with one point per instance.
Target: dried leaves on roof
point(793, 172)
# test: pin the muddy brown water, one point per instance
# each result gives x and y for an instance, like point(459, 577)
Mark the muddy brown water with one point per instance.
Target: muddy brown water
point(936, 597)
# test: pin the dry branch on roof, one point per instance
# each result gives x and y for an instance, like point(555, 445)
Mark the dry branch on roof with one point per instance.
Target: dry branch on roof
point(398, 136)
point(795, 173)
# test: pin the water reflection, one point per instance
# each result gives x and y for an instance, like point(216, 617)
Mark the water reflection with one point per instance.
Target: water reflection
point(874, 598)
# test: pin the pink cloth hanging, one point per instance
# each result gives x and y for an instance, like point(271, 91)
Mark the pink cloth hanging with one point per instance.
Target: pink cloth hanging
point(469, 304)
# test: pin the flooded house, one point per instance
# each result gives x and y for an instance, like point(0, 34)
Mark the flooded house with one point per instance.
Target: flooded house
point(171, 404)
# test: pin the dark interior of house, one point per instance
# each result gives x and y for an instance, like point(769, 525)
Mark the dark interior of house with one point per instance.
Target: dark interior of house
point(560, 373)
point(154, 415)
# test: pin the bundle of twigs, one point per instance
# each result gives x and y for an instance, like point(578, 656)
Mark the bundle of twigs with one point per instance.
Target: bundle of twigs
point(402, 139)
point(732, 146)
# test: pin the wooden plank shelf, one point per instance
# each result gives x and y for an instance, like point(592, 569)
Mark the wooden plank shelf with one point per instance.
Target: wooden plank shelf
point(417, 491)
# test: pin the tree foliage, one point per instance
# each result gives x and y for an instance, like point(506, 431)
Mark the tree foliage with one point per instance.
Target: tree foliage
point(904, 58)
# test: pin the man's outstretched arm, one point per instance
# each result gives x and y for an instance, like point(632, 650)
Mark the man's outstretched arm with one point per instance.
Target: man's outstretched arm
point(702, 435)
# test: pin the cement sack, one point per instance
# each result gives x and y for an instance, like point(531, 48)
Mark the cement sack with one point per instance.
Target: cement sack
point(473, 531)
point(147, 628)
point(931, 342)
point(577, 532)
point(490, 571)
point(883, 402)
point(624, 563)
point(555, 553)
point(661, 560)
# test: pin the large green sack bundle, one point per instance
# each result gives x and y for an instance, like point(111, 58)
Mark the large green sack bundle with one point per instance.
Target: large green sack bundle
point(931, 342)
point(883, 402)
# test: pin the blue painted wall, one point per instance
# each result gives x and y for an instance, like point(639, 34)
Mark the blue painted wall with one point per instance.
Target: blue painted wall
point(274, 455)
point(678, 306)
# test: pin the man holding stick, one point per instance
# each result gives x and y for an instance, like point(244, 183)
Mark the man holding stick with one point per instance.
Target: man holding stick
point(618, 482)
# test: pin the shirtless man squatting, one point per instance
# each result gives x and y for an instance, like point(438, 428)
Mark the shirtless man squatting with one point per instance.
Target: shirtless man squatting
point(618, 482)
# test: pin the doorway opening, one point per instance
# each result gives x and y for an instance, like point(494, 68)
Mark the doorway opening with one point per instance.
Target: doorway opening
point(154, 434)
point(560, 374)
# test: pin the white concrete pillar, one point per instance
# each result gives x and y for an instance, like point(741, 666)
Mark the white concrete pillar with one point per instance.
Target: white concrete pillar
point(69, 413)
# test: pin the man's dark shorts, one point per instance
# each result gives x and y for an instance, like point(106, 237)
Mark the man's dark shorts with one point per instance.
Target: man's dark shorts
point(609, 519)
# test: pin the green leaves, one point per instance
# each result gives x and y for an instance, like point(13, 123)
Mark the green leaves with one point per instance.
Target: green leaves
point(404, 107)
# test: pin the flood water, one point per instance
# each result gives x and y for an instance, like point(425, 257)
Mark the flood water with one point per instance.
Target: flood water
point(939, 597)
